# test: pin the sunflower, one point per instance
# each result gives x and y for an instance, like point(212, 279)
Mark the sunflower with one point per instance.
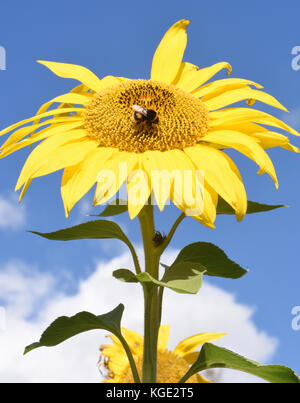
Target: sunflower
point(171, 365)
point(178, 121)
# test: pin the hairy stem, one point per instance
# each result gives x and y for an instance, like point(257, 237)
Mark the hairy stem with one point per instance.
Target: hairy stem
point(135, 374)
point(153, 295)
point(135, 258)
point(151, 299)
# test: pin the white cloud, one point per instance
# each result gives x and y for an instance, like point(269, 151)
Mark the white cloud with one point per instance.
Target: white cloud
point(23, 288)
point(29, 293)
point(12, 215)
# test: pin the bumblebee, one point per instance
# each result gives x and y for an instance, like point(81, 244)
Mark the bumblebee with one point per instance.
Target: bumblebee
point(158, 238)
point(141, 114)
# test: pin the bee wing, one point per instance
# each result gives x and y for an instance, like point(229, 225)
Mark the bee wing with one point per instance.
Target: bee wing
point(139, 109)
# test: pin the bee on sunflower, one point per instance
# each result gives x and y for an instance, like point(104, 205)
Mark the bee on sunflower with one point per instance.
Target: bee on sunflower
point(179, 121)
point(95, 128)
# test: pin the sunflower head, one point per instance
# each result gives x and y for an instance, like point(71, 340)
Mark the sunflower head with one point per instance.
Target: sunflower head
point(176, 122)
point(172, 365)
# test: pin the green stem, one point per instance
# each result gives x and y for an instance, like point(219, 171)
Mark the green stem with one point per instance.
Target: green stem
point(150, 335)
point(134, 257)
point(146, 218)
point(160, 301)
point(189, 373)
point(135, 374)
point(151, 297)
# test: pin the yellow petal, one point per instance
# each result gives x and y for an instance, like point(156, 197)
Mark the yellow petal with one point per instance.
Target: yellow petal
point(76, 72)
point(208, 216)
point(185, 180)
point(163, 337)
point(56, 153)
point(231, 97)
point(134, 340)
point(245, 145)
point(264, 137)
point(138, 188)
point(79, 89)
point(111, 349)
point(184, 185)
point(290, 147)
point(82, 74)
point(116, 342)
point(172, 175)
point(226, 116)
point(190, 344)
point(108, 81)
point(70, 98)
point(117, 360)
point(53, 112)
point(187, 78)
point(191, 80)
point(271, 121)
point(161, 180)
point(66, 101)
point(24, 189)
point(222, 174)
point(207, 73)
point(82, 89)
point(25, 131)
point(240, 126)
point(53, 130)
point(188, 191)
point(118, 363)
point(269, 139)
point(168, 55)
point(114, 175)
point(217, 87)
point(78, 179)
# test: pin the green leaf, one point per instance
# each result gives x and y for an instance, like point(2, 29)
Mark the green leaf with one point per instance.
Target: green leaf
point(209, 259)
point(184, 278)
point(125, 275)
point(212, 356)
point(118, 207)
point(64, 327)
point(181, 278)
point(99, 229)
point(253, 207)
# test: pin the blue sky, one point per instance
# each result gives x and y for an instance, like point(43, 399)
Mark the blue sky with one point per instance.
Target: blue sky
point(119, 38)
